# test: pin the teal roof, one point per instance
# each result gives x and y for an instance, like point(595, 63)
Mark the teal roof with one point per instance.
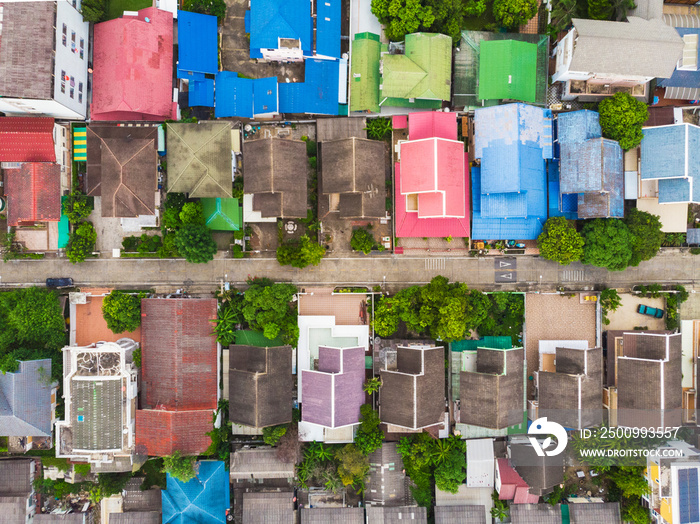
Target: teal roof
point(204, 499)
point(222, 214)
point(485, 342)
point(63, 228)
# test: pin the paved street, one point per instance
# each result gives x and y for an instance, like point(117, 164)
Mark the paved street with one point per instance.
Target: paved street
point(528, 273)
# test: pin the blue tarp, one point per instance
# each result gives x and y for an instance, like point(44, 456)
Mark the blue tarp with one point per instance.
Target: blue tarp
point(328, 28)
point(201, 93)
point(205, 498)
point(318, 94)
point(270, 20)
point(198, 44)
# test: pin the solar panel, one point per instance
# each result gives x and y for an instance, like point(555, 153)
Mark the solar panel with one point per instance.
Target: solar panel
point(688, 496)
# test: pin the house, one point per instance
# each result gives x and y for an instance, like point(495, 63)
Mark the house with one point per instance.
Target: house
point(396, 515)
point(684, 83)
point(74, 518)
point(492, 67)
point(197, 46)
point(534, 512)
point(598, 58)
point(352, 178)
point(122, 169)
point(17, 498)
point(690, 343)
point(431, 182)
point(44, 60)
point(480, 463)
point(509, 188)
point(492, 392)
point(511, 486)
point(571, 393)
point(265, 507)
point(258, 465)
point(332, 393)
point(134, 506)
point(649, 378)
point(599, 512)
point(280, 31)
point(669, 157)
point(323, 91)
point(222, 214)
point(28, 402)
point(388, 484)
point(88, 323)
point(205, 498)
point(591, 172)
point(673, 483)
point(325, 515)
point(260, 385)
point(412, 395)
point(364, 70)
point(132, 77)
point(99, 390)
point(275, 175)
point(459, 515)
point(245, 97)
point(179, 365)
point(199, 159)
point(33, 191)
point(541, 474)
point(472, 504)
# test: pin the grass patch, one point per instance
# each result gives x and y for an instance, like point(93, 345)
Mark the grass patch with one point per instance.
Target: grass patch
point(116, 8)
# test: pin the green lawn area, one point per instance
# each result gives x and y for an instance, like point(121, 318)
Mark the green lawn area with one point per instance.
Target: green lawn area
point(116, 8)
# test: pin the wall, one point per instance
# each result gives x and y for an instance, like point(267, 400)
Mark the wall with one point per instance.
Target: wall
point(23, 107)
point(68, 57)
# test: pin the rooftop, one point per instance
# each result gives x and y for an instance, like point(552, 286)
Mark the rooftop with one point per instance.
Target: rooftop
point(272, 20)
point(197, 38)
point(364, 68)
point(25, 400)
point(259, 463)
point(205, 498)
point(222, 214)
point(459, 515)
point(89, 323)
point(397, 515)
point(326, 515)
point(33, 193)
point(388, 484)
point(26, 139)
point(684, 83)
point(318, 93)
point(268, 508)
point(245, 97)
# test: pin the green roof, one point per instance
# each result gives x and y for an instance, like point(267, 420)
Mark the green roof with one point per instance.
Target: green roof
point(364, 86)
point(423, 72)
point(486, 342)
point(257, 339)
point(507, 69)
point(222, 214)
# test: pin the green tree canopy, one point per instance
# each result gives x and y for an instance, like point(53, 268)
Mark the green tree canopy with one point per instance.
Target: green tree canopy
point(182, 468)
point(81, 243)
point(513, 13)
point(646, 235)
point(273, 434)
point(269, 308)
point(600, 9)
point(303, 253)
point(93, 10)
point(195, 243)
point(368, 437)
point(559, 241)
point(122, 311)
point(77, 207)
point(402, 17)
point(353, 466)
point(192, 213)
point(362, 240)
point(607, 244)
point(621, 119)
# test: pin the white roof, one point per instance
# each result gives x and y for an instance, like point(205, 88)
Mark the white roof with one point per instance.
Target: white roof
point(480, 463)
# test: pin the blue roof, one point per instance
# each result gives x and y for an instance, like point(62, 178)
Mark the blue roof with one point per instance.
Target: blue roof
point(509, 190)
point(689, 508)
point(674, 190)
point(684, 78)
point(244, 97)
point(265, 95)
point(317, 94)
point(198, 44)
point(204, 499)
point(202, 92)
point(328, 28)
point(270, 20)
point(693, 236)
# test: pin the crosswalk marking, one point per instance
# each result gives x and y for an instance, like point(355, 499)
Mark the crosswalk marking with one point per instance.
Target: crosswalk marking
point(572, 275)
point(434, 264)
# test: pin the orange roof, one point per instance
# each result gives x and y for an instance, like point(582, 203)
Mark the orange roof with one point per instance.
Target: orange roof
point(90, 325)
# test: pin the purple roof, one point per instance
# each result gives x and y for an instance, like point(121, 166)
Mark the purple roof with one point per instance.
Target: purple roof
point(332, 396)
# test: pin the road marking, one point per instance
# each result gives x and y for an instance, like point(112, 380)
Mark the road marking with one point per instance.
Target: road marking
point(505, 264)
point(506, 276)
point(572, 275)
point(434, 264)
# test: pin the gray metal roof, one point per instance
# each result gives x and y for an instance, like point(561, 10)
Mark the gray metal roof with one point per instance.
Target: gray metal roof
point(605, 513)
point(70, 518)
point(460, 515)
point(25, 400)
point(333, 515)
point(96, 414)
point(268, 508)
point(388, 485)
point(535, 514)
point(260, 463)
point(13, 510)
point(648, 9)
point(15, 477)
point(396, 515)
point(136, 517)
point(638, 47)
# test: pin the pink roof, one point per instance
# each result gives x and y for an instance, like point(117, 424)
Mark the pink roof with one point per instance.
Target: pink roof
point(513, 487)
point(26, 139)
point(133, 67)
point(399, 121)
point(432, 124)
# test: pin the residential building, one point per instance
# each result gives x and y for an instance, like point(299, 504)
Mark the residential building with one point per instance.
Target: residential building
point(245, 97)
point(591, 172)
point(280, 31)
point(509, 187)
point(259, 464)
point(324, 515)
point(324, 90)
point(264, 507)
point(28, 403)
point(44, 59)
point(690, 331)
point(541, 474)
point(198, 56)
point(396, 515)
point(364, 70)
point(17, 497)
point(571, 393)
point(260, 385)
point(33, 191)
point(388, 484)
point(99, 390)
point(599, 512)
point(598, 58)
point(222, 214)
point(132, 77)
point(179, 368)
point(673, 483)
point(459, 514)
point(492, 67)
point(205, 498)
point(511, 486)
point(272, 168)
point(412, 395)
point(88, 323)
point(480, 463)
point(431, 179)
point(133, 505)
point(122, 169)
point(199, 159)
point(474, 505)
point(684, 83)
point(71, 518)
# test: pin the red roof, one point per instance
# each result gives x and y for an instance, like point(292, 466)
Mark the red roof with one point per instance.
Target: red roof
point(133, 71)
point(432, 124)
point(160, 433)
point(513, 487)
point(26, 139)
point(33, 193)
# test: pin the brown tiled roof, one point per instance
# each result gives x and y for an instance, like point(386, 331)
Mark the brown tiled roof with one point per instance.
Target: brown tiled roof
point(122, 168)
point(260, 385)
point(160, 433)
point(336, 128)
point(26, 50)
point(33, 193)
point(540, 473)
point(275, 173)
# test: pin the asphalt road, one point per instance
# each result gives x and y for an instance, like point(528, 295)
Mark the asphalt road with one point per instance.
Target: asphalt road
point(523, 273)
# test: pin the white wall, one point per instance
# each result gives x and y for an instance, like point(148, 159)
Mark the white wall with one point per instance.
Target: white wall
point(69, 61)
point(26, 106)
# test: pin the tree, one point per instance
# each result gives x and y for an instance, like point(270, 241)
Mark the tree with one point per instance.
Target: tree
point(268, 307)
point(81, 243)
point(368, 437)
point(122, 311)
point(646, 235)
point(499, 511)
point(402, 17)
point(215, 8)
point(559, 241)
point(362, 240)
point(630, 480)
point(609, 301)
point(386, 317)
point(634, 512)
point(77, 207)
point(195, 243)
point(562, 13)
point(620, 8)
point(192, 213)
point(621, 119)
point(31, 318)
point(607, 244)
point(451, 472)
point(513, 13)
point(372, 385)
point(273, 434)
point(600, 9)
point(93, 10)
point(300, 254)
point(180, 467)
point(378, 128)
point(353, 466)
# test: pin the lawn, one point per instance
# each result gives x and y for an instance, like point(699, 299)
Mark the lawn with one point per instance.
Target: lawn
point(116, 8)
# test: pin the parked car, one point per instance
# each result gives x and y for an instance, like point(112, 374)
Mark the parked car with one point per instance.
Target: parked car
point(651, 311)
point(59, 282)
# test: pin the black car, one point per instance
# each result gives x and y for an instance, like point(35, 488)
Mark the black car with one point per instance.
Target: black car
point(59, 282)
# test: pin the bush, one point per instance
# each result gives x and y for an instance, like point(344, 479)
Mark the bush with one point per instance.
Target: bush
point(513, 13)
point(695, 250)
point(368, 437)
point(273, 434)
point(136, 356)
point(607, 244)
point(81, 243)
point(93, 10)
point(559, 241)
point(77, 207)
point(310, 148)
point(362, 240)
point(238, 188)
point(181, 468)
point(621, 119)
point(378, 128)
point(82, 469)
point(215, 8)
point(195, 243)
point(237, 251)
point(301, 254)
point(122, 311)
point(192, 214)
point(646, 235)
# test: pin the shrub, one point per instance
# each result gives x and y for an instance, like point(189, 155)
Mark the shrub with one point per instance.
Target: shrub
point(310, 148)
point(559, 241)
point(195, 243)
point(621, 119)
point(607, 244)
point(273, 434)
point(237, 251)
point(81, 243)
point(513, 13)
point(301, 254)
point(192, 213)
point(362, 240)
point(215, 8)
point(181, 468)
point(77, 207)
point(122, 311)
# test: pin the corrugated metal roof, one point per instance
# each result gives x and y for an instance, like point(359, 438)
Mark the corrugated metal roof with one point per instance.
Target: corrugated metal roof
point(480, 463)
point(26, 139)
point(271, 20)
point(222, 214)
point(201, 93)
point(328, 17)
point(318, 94)
point(198, 44)
point(507, 69)
point(693, 236)
point(234, 95)
point(364, 78)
